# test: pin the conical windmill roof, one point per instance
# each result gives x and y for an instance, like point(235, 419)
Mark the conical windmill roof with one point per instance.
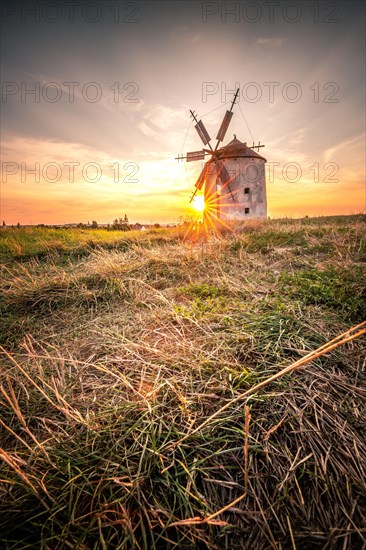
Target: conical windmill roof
point(237, 148)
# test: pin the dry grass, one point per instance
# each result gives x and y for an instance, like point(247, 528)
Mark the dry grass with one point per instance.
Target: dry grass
point(114, 368)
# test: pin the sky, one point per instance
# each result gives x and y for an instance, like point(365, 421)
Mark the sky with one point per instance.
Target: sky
point(96, 98)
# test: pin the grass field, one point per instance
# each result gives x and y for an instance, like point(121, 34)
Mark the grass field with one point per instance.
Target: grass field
point(115, 346)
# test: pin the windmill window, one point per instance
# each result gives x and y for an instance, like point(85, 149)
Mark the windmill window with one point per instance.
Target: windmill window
point(246, 191)
point(246, 210)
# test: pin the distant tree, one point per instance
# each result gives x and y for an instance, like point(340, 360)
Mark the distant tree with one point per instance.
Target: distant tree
point(121, 224)
point(18, 225)
point(4, 224)
point(94, 224)
point(157, 225)
point(186, 220)
point(125, 219)
point(80, 225)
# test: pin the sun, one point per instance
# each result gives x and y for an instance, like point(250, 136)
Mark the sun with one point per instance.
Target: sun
point(199, 203)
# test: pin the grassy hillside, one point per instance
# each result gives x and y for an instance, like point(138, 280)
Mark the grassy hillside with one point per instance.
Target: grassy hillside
point(117, 345)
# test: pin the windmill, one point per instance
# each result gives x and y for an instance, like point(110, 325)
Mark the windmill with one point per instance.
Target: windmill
point(233, 178)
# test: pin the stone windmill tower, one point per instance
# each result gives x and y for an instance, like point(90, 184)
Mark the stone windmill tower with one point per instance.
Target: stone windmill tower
point(233, 178)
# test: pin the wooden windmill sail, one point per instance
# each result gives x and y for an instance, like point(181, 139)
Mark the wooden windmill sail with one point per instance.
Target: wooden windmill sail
point(231, 194)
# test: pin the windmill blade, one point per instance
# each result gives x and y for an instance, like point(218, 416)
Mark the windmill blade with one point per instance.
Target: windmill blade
point(202, 132)
point(224, 126)
point(200, 181)
point(224, 176)
point(195, 155)
point(226, 121)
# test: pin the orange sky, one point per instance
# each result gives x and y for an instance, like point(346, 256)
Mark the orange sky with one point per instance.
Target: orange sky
point(168, 61)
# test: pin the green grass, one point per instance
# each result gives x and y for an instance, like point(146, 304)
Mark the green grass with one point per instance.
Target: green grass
point(25, 242)
point(39, 242)
point(116, 345)
point(340, 289)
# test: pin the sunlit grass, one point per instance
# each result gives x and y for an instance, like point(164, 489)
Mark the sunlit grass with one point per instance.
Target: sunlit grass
point(113, 352)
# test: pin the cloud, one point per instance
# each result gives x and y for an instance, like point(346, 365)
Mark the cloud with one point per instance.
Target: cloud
point(185, 35)
point(164, 124)
point(298, 137)
point(270, 41)
point(344, 146)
